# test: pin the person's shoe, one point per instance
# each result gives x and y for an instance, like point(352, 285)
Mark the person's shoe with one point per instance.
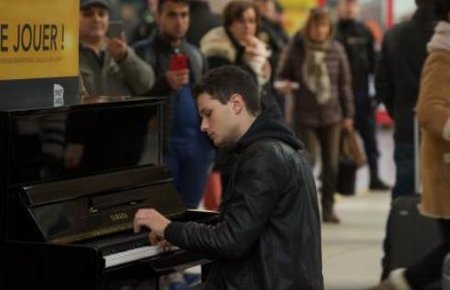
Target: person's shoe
point(377, 184)
point(396, 281)
point(328, 216)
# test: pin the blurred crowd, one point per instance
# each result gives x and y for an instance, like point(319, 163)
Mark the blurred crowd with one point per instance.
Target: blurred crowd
point(317, 81)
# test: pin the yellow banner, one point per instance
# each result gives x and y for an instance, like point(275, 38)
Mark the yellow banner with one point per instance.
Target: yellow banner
point(38, 39)
point(296, 12)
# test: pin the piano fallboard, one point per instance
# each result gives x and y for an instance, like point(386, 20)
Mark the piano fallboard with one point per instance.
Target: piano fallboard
point(53, 266)
point(81, 231)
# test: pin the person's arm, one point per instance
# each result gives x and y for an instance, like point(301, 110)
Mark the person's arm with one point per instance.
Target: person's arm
point(285, 64)
point(384, 78)
point(246, 210)
point(433, 109)
point(138, 74)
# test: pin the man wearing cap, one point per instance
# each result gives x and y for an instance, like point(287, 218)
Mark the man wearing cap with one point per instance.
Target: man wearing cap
point(108, 67)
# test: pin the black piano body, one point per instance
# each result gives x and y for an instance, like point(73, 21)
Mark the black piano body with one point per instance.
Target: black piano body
point(73, 229)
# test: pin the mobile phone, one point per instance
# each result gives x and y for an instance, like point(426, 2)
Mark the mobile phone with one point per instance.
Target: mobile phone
point(115, 29)
point(178, 62)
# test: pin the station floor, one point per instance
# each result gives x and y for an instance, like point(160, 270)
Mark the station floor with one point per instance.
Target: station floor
point(352, 250)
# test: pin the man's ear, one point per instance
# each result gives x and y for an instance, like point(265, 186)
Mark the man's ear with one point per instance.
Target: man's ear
point(237, 103)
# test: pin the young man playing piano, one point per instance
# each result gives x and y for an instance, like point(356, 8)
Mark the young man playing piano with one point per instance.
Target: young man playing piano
point(268, 232)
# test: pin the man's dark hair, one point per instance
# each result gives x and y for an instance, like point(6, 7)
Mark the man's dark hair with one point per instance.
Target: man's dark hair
point(221, 83)
point(162, 2)
point(235, 10)
point(442, 8)
point(425, 3)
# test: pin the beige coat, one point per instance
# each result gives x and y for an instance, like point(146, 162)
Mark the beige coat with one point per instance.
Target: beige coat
point(433, 111)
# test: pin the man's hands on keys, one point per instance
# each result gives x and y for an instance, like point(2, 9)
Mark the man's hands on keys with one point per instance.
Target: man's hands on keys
point(153, 220)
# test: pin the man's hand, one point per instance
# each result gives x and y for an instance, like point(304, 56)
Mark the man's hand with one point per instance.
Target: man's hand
point(266, 70)
point(177, 79)
point(347, 124)
point(152, 220)
point(117, 47)
point(286, 87)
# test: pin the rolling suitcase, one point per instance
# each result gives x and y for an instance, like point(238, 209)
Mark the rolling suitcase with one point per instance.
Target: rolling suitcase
point(411, 234)
point(446, 273)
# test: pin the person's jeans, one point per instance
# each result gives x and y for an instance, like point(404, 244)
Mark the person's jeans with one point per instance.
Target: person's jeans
point(365, 125)
point(328, 138)
point(189, 161)
point(405, 166)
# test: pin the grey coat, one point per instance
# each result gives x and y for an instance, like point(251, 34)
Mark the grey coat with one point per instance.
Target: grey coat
point(105, 76)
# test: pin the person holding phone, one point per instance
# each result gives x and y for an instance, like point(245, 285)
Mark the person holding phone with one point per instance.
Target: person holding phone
point(108, 69)
point(236, 43)
point(107, 65)
point(178, 66)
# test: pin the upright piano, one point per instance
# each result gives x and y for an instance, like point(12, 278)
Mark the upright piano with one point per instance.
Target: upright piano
point(69, 225)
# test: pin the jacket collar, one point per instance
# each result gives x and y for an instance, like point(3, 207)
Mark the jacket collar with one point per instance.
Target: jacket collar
point(164, 44)
point(265, 127)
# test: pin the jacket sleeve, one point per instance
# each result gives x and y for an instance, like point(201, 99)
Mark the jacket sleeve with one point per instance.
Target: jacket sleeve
point(384, 79)
point(255, 189)
point(286, 64)
point(345, 84)
point(138, 74)
point(433, 109)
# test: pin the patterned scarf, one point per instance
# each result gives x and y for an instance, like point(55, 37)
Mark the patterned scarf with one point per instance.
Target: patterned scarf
point(315, 70)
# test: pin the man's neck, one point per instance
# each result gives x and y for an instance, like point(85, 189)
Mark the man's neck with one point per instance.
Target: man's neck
point(245, 125)
point(173, 42)
point(95, 44)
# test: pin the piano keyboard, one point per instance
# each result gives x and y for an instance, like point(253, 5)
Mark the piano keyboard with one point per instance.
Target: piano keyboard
point(131, 255)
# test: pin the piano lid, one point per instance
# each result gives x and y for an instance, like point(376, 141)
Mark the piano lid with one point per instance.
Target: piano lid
point(91, 207)
point(104, 137)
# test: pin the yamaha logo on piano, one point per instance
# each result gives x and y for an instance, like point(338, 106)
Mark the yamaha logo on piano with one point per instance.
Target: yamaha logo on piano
point(115, 217)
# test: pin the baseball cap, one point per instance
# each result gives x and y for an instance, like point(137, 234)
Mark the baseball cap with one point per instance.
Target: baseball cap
point(85, 4)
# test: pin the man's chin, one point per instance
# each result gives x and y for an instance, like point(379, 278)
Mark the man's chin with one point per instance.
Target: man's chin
point(222, 144)
point(176, 36)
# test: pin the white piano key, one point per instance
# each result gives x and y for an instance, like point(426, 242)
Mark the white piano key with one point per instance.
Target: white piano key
point(133, 255)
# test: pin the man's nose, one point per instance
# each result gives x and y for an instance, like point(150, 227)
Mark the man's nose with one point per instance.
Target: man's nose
point(203, 125)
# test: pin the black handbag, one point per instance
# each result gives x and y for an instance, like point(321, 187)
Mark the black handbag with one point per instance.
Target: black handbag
point(346, 178)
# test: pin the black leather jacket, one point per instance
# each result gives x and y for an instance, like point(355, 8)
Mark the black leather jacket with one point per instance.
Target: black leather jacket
point(268, 234)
